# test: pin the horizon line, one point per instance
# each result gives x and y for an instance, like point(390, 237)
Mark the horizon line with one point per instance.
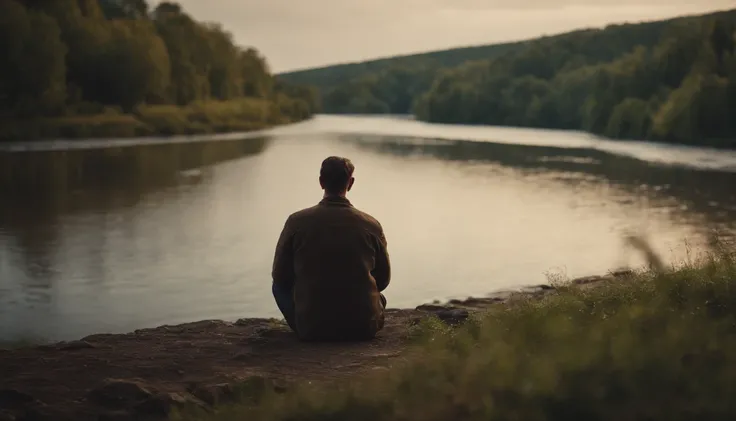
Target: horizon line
point(499, 42)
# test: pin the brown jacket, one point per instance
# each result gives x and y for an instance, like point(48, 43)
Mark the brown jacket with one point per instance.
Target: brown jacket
point(335, 258)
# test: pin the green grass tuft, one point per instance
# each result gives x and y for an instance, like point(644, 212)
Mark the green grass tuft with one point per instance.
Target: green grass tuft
point(659, 345)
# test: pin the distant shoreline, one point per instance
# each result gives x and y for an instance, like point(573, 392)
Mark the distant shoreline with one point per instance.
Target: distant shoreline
point(162, 121)
point(61, 144)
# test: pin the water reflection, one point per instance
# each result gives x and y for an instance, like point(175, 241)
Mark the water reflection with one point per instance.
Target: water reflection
point(690, 192)
point(86, 187)
point(110, 240)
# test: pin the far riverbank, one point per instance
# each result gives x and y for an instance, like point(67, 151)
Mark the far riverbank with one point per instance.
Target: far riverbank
point(199, 118)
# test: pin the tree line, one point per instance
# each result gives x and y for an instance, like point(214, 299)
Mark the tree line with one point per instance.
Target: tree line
point(389, 85)
point(82, 57)
point(672, 80)
point(680, 89)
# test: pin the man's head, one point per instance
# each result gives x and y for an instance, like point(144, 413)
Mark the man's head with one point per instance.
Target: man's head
point(336, 175)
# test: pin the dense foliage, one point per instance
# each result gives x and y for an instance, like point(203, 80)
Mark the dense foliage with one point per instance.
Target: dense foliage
point(671, 80)
point(71, 58)
point(387, 85)
point(330, 76)
point(682, 88)
point(654, 346)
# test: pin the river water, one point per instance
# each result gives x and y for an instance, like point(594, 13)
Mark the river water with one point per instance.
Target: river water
point(112, 236)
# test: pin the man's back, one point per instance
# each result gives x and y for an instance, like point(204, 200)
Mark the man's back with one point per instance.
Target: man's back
point(336, 260)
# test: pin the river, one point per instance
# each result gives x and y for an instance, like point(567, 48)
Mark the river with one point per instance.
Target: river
point(112, 236)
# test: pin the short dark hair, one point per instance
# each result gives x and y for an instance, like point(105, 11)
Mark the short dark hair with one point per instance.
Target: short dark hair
point(335, 174)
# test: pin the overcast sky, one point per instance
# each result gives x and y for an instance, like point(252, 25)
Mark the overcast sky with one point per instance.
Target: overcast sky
point(295, 34)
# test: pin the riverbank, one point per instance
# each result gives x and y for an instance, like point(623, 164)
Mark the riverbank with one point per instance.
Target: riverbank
point(148, 373)
point(199, 118)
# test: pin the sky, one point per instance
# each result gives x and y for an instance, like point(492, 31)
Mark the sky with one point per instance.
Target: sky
point(297, 34)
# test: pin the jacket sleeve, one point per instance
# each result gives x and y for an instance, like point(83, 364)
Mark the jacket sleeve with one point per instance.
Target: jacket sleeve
point(283, 261)
point(382, 271)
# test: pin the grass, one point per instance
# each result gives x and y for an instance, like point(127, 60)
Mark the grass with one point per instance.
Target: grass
point(203, 117)
point(659, 345)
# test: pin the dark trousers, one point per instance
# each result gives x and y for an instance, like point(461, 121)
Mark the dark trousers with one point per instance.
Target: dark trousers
point(285, 301)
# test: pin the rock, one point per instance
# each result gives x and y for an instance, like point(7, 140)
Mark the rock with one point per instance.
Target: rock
point(482, 302)
point(119, 394)
point(74, 345)
point(433, 308)
point(271, 332)
point(453, 317)
point(622, 273)
point(213, 395)
point(204, 325)
point(253, 322)
point(588, 280)
point(7, 416)
point(160, 406)
point(448, 314)
point(243, 322)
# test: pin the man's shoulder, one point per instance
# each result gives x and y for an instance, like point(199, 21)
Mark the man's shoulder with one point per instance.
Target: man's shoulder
point(302, 213)
point(314, 213)
point(369, 219)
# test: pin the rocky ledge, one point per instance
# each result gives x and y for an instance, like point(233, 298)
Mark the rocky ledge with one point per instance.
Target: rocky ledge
point(145, 374)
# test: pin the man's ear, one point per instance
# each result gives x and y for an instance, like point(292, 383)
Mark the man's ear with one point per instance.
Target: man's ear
point(321, 183)
point(350, 184)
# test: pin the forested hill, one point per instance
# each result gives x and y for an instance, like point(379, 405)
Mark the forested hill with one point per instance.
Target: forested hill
point(77, 68)
point(388, 85)
point(672, 80)
point(680, 89)
point(329, 76)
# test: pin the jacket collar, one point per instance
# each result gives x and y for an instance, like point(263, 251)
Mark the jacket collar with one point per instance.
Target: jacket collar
point(335, 201)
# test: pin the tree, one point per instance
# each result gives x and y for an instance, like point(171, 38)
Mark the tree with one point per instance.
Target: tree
point(60, 57)
point(32, 62)
point(135, 66)
point(124, 9)
point(631, 119)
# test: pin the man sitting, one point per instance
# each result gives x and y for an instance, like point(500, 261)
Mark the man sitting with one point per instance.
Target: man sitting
point(331, 264)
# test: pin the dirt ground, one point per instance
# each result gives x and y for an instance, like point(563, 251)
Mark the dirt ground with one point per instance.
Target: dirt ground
point(107, 376)
point(143, 374)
